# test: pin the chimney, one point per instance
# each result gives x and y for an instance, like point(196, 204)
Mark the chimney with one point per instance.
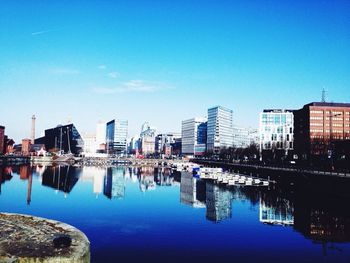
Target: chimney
point(32, 136)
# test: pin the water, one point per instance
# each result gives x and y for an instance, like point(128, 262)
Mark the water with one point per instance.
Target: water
point(154, 215)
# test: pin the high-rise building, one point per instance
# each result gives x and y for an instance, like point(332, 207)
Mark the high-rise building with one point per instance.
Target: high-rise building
point(276, 129)
point(220, 129)
point(101, 135)
point(322, 128)
point(2, 139)
point(90, 145)
point(116, 136)
point(194, 136)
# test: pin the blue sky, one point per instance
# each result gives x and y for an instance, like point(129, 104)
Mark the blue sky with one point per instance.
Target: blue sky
point(165, 61)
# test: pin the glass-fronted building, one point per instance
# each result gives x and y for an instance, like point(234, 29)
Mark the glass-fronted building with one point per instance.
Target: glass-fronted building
point(276, 129)
point(220, 129)
point(194, 136)
point(116, 136)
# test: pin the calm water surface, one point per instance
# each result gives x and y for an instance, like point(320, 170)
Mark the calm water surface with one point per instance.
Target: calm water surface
point(155, 215)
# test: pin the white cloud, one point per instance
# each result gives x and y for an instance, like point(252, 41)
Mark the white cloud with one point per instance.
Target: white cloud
point(102, 66)
point(41, 32)
point(140, 86)
point(113, 74)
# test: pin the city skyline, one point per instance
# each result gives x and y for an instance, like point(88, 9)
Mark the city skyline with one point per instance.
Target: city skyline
point(166, 62)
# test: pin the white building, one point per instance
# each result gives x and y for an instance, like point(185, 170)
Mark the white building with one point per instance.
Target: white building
point(89, 143)
point(276, 130)
point(101, 135)
point(194, 136)
point(220, 129)
point(244, 137)
point(148, 139)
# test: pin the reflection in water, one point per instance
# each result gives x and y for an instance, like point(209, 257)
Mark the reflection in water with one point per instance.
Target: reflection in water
point(316, 216)
point(188, 191)
point(277, 211)
point(61, 178)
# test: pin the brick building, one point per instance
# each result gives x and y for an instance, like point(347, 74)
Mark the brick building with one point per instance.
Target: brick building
point(2, 139)
point(321, 129)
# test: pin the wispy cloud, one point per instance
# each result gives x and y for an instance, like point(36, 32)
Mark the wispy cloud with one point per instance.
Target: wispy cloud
point(113, 74)
point(64, 71)
point(140, 86)
point(42, 32)
point(102, 67)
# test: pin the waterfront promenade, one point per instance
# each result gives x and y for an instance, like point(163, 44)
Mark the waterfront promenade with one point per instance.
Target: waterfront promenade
point(256, 168)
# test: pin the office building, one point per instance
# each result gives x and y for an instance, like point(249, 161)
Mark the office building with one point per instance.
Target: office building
point(90, 145)
point(194, 136)
point(322, 129)
point(164, 142)
point(276, 130)
point(220, 129)
point(116, 136)
point(101, 136)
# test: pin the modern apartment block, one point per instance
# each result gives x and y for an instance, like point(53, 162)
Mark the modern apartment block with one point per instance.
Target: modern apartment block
point(116, 136)
point(220, 129)
point(276, 130)
point(194, 136)
point(322, 128)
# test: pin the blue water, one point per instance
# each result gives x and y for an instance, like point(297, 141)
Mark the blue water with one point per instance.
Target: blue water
point(156, 215)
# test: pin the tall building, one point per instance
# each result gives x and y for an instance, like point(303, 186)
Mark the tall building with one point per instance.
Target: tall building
point(116, 136)
point(64, 138)
point(147, 139)
point(194, 136)
point(2, 139)
point(322, 128)
point(220, 129)
point(188, 190)
point(90, 145)
point(218, 202)
point(101, 135)
point(276, 129)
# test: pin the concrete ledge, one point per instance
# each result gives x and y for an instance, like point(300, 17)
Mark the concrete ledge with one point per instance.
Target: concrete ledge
point(25, 239)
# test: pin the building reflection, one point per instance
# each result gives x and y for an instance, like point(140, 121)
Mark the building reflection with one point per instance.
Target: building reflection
point(5, 175)
point(114, 183)
point(61, 178)
point(218, 202)
point(276, 211)
point(322, 219)
point(188, 191)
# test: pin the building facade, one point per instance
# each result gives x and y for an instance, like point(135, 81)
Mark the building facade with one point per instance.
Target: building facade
point(276, 130)
point(322, 129)
point(219, 129)
point(90, 144)
point(194, 136)
point(148, 139)
point(165, 141)
point(2, 139)
point(63, 138)
point(101, 135)
point(116, 136)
